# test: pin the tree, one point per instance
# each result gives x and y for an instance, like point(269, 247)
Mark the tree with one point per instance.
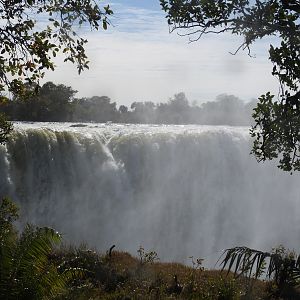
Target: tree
point(5, 128)
point(33, 32)
point(143, 112)
point(226, 110)
point(96, 109)
point(179, 108)
point(277, 120)
point(51, 103)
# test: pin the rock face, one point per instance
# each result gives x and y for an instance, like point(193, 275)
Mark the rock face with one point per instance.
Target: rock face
point(180, 190)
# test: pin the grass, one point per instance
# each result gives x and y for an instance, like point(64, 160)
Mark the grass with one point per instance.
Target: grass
point(122, 276)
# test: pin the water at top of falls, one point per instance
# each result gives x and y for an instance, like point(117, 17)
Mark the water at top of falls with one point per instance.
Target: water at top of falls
point(181, 190)
point(113, 129)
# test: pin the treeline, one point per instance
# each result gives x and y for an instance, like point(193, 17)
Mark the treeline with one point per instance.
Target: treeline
point(57, 103)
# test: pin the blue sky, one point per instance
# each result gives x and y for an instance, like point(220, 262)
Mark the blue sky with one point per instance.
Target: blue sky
point(147, 4)
point(137, 59)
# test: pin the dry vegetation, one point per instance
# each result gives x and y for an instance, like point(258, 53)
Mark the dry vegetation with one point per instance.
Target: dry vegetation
point(122, 276)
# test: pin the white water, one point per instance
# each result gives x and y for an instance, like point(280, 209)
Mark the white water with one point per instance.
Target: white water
point(180, 190)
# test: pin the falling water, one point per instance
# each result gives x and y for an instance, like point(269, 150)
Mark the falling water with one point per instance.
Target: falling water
point(180, 190)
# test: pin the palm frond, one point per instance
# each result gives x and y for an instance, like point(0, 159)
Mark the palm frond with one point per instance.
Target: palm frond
point(26, 272)
point(280, 265)
point(53, 283)
point(24, 263)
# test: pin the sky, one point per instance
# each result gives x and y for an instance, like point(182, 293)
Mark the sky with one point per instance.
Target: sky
point(137, 59)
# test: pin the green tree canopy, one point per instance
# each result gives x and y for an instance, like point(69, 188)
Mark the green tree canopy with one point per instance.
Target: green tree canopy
point(277, 119)
point(33, 32)
point(50, 103)
point(96, 109)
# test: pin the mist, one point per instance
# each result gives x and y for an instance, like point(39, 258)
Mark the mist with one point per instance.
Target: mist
point(181, 190)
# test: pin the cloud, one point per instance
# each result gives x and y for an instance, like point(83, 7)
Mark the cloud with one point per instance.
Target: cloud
point(138, 60)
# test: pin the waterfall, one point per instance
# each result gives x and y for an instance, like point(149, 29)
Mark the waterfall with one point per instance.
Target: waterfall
point(179, 190)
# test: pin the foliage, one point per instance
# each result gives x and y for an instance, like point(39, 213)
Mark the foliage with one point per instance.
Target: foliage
point(147, 257)
point(99, 273)
point(96, 109)
point(57, 102)
point(280, 265)
point(121, 276)
point(25, 270)
point(8, 214)
point(5, 128)
point(280, 135)
point(276, 121)
point(33, 33)
point(27, 51)
point(51, 103)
